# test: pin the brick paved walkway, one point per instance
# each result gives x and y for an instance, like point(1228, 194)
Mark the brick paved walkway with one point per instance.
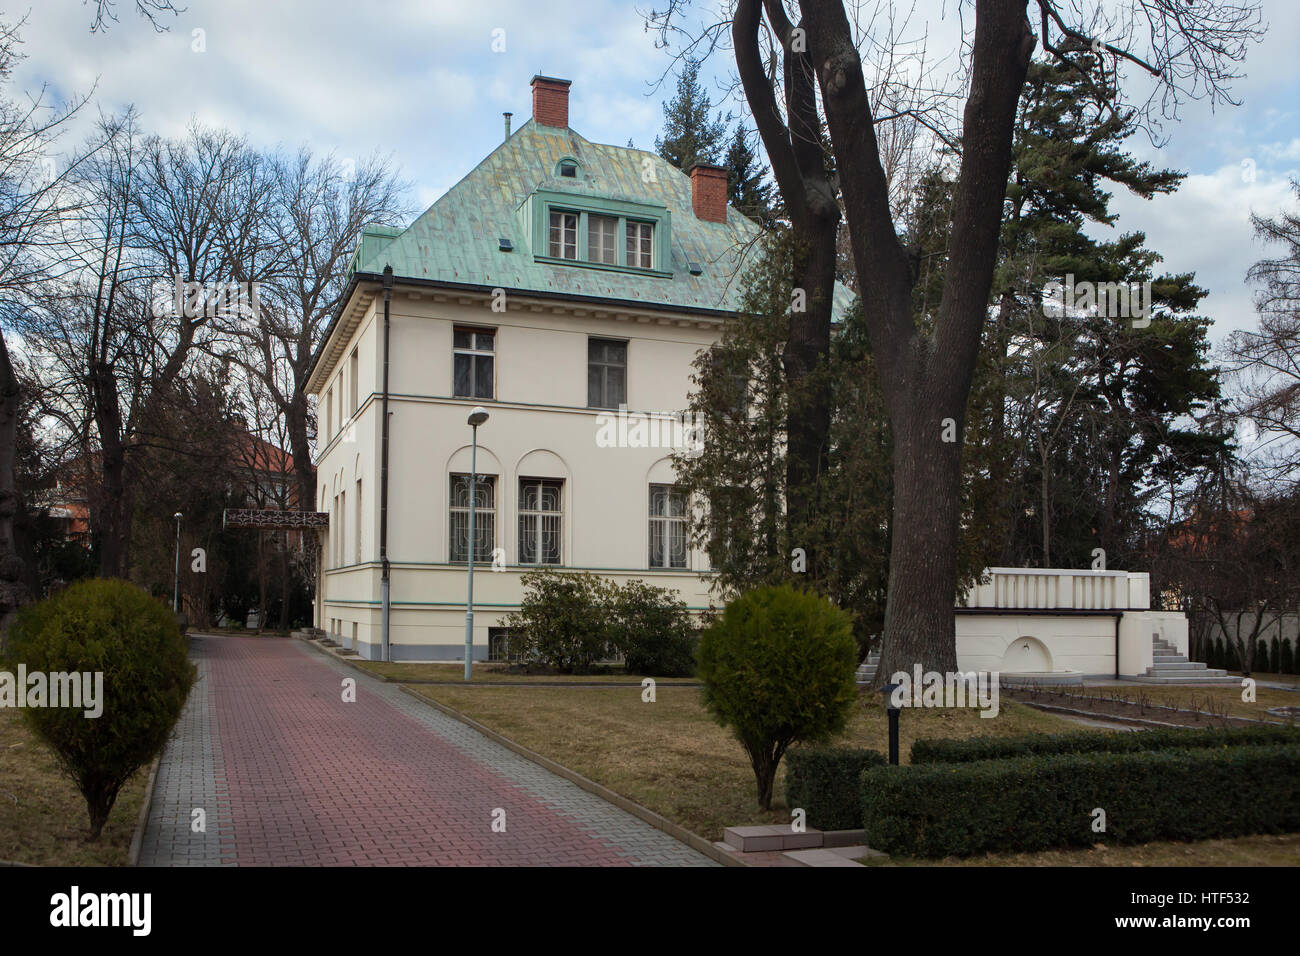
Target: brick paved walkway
point(287, 773)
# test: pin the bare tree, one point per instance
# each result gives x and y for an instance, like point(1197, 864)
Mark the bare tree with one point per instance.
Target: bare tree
point(316, 211)
point(154, 271)
point(34, 199)
point(1266, 360)
point(151, 10)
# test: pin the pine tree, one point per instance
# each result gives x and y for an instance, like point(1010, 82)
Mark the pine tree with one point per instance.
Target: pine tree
point(690, 137)
point(747, 187)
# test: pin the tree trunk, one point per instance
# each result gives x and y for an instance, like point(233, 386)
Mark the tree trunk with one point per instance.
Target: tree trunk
point(13, 590)
point(808, 419)
point(925, 376)
point(922, 555)
point(114, 529)
point(284, 579)
point(1045, 500)
point(296, 420)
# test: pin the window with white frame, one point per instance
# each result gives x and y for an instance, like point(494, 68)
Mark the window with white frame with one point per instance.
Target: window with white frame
point(353, 366)
point(484, 518)
point(564, 235)
point(602, 236)
point(667, 527)
point(473, 363)
point(541, 512)
point(357, 523)
point(640, 244)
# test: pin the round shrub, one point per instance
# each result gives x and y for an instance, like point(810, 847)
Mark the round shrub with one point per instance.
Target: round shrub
point(565, 620)
point(777, 667)
point(655, 631)
point(112, 628)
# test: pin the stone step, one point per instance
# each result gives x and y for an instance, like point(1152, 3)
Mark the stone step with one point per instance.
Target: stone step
point(776, 836)
point(839, 856)
point(1208, 676)
point(1180, 666)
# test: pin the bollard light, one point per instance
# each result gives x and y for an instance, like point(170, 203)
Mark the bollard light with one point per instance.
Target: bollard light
point(892, 711)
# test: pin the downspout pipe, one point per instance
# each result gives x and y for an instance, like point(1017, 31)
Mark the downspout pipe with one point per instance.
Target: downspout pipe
point(384, 578)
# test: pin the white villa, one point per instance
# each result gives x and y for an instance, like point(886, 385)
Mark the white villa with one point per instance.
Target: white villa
point(558, 282)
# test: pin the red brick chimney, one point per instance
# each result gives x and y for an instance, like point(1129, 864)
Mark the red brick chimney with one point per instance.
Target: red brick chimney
point(551, 101)
point(709, 192)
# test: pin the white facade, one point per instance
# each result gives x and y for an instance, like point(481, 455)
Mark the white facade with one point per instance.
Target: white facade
point(540, 428)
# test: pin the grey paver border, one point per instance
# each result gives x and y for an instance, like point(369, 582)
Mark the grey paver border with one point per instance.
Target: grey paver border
point(676, 831)
point(142, 818)
point(353, 662)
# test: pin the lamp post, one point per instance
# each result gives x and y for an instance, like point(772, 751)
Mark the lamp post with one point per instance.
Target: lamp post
point(892, 711)
point(176, 580)
point(477, 416)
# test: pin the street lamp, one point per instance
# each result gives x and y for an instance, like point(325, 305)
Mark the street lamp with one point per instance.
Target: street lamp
point(892, 711)
point(477, 416)
point(176, 581)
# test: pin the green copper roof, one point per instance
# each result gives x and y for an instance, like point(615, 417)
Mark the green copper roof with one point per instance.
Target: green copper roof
point(457, 239)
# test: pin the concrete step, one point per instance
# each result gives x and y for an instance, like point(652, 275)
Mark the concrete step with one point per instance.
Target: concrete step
point(1188, 677)
point(773, 837)
point(839, 856)
point(1177, 666)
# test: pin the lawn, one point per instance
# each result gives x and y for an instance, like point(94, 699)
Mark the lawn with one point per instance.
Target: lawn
point(42, 815)
point(671, 757)
point(1223, 698)
point(496, 674)
point(1266, 850)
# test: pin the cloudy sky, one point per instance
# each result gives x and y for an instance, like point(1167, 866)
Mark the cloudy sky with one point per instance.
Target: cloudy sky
point(421, 80)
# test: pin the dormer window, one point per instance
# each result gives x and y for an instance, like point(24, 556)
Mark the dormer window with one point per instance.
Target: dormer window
point(640, 244)
point(574, 228)
point(564, 235)
point(568, 168)
point(602, 233)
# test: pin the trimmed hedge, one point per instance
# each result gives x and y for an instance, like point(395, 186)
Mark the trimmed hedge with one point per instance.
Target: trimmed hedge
point(824, 781)
point(995, 748)
point(1046, 802)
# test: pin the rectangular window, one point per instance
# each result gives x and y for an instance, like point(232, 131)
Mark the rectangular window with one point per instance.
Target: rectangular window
point(602, 232)
point(640, 244)
point(357, 553)
point(606, 373)
point(353, 365)
point(540, 520)
point(564, 235)
point(667, 527)
point(499, 645)
point(329, 404)
point(730, 382)
point(473, 363)
point(334, 535)
point(343, 528)
point(484, 518)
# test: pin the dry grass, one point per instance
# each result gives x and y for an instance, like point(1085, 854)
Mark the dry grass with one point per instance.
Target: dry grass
point(671, 757)
point(496, 674)
point(1224, 696)
point(1281, 850)
point(42, 814)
